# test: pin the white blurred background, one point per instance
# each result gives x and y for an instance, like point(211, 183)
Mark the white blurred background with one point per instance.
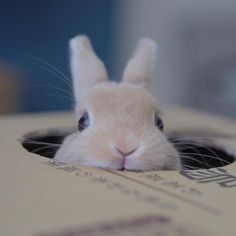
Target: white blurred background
point(197, 49)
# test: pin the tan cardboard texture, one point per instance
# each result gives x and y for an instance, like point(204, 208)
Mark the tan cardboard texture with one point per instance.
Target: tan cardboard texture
point(46, 198)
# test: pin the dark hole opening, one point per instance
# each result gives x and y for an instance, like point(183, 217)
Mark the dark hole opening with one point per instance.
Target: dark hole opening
point(193, 155)
point(202, 156)
point(46, 146)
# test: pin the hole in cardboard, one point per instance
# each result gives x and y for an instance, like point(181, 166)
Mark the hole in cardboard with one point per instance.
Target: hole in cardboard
point(194, 155)
point(45, 142)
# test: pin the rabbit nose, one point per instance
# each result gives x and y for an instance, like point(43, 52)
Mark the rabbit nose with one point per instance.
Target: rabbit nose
point(126, 153)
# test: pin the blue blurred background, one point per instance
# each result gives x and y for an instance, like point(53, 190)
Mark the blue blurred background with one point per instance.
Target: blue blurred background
point(42, 29)
point(196, 65)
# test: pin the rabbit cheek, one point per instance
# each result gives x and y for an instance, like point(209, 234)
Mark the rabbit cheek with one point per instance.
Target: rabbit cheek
point(159, 155)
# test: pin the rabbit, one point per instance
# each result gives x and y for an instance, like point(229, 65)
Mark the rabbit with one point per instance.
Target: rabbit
point(119, 124)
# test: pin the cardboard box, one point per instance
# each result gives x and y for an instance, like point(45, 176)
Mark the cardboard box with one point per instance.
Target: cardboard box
point(46, 198)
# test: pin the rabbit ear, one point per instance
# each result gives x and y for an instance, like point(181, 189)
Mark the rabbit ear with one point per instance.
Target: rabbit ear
point(86, 68)
point(139, 69)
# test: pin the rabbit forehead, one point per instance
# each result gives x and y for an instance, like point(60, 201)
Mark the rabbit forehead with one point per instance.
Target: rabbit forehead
point(111, 98)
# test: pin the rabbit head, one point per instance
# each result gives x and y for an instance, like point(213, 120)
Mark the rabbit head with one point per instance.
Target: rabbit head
point(119, 124)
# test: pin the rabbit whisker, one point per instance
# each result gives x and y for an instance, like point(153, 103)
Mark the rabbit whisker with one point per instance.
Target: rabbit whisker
point(47, 65)
point(48, 86)
point(61, 96)
point(188, 144)
point(39, 142)
point(49, 70)
point(184, 157)
point(208, 156)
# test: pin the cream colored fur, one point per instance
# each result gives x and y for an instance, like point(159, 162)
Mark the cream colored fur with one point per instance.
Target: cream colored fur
point(139, 69)
point(86, 68)
point(121, 115)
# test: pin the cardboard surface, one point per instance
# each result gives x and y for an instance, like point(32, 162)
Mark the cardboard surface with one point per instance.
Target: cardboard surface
point(42, 197)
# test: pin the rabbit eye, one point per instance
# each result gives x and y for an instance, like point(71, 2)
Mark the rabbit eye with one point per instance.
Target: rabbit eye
point(83, 122)
point(158, 122)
